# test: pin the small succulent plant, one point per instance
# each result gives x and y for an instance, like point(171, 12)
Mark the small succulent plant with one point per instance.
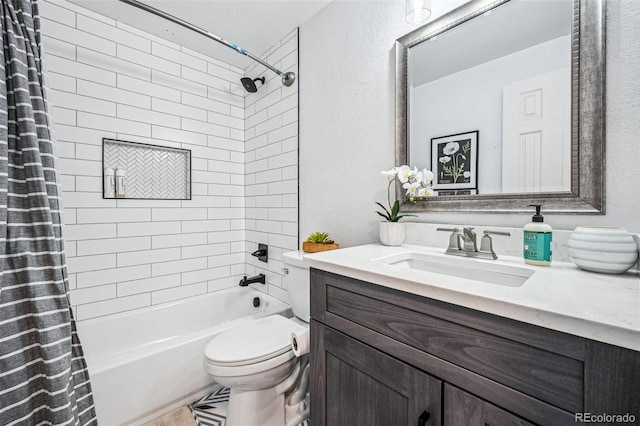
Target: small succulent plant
point(320, 238)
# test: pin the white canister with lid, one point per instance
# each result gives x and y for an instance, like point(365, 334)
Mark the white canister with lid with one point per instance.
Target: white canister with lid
point(121, 187)
point(109, 183)
point(603, 249)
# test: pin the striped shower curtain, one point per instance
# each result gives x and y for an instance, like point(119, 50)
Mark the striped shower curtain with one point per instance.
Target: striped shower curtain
point(43, 375)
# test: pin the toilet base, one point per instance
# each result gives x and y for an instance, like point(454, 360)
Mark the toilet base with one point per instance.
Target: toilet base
point(268, 411)
point(296, 414)
point(261, 407)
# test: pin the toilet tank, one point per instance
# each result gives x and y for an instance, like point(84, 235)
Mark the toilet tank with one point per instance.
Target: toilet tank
point(296, 280)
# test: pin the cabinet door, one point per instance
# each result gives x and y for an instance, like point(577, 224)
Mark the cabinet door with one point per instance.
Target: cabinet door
point(464, 409)
point(355, 384)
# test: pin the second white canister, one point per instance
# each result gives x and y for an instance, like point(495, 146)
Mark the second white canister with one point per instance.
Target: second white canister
point(603, 249)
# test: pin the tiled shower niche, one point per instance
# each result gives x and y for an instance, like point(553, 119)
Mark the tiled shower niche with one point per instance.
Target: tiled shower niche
point(153, 172)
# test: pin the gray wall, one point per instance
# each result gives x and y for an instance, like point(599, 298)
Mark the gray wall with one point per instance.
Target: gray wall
point(347, 121)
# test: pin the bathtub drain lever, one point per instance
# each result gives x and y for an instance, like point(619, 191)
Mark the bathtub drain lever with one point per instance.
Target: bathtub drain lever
point(260, 278)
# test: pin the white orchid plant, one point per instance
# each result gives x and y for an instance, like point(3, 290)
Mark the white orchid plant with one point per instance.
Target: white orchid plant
point(416, 183)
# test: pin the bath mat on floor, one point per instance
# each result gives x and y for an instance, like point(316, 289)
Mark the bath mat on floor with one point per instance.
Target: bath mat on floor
point(212, 409)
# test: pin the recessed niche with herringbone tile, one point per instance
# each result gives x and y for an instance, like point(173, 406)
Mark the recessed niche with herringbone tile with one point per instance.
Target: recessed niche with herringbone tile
point(152, 171)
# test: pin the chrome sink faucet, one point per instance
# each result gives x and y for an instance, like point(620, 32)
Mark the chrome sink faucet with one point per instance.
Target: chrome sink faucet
point(463, 242)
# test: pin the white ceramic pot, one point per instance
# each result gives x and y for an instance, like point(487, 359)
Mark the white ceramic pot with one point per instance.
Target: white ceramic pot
point(601, 249)
point(391, 233)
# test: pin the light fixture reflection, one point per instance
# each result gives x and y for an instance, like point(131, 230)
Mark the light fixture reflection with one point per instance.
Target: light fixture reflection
point(418, 11)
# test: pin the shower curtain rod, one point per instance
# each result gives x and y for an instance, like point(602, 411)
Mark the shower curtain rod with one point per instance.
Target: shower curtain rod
point(287, 77)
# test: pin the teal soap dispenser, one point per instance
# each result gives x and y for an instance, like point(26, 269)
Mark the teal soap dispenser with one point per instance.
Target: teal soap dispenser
point(537, 240)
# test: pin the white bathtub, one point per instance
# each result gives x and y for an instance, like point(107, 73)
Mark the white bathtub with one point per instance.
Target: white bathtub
point(148, 362)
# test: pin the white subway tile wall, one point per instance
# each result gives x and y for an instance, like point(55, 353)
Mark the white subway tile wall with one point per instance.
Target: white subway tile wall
point(109, 80)
point(271, 164)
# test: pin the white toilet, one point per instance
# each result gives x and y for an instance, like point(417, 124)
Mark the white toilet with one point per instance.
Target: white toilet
point(269, 384)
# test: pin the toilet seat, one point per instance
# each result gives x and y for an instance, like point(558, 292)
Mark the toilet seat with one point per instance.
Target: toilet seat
point(253, 342)
point(282, 363)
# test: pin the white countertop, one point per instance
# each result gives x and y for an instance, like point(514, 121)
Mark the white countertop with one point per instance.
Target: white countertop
point(561, 297)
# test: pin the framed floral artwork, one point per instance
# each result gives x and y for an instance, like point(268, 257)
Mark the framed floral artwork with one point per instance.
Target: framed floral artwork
point(456, 192)
point(454, 161)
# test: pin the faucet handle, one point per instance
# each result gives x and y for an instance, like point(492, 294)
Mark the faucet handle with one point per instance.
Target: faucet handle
point(486, 243)
point(457, 230)
point(454, 239)
point(506, 234)
point(262, 253)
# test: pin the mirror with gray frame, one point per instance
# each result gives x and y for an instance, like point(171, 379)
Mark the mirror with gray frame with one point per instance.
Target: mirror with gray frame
point(504, 102)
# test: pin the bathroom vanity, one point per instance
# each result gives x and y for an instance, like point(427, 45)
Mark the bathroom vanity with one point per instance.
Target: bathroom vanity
point(396, 345)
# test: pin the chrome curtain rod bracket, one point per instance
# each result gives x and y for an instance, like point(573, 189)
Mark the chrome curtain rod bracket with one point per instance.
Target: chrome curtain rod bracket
point(287, 77)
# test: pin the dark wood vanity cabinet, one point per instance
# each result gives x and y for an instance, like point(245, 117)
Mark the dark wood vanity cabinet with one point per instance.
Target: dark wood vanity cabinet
point(385, 357)
point(364, 386)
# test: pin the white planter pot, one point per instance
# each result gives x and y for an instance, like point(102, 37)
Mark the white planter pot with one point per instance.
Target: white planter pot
point(391, 233)
point(607, 250)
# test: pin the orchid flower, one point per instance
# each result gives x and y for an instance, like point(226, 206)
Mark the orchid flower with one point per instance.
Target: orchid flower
point(412, 188)
point(416, 183)
point(417, 177)
point(427, 177)
point(404, 173)
point(425, 192)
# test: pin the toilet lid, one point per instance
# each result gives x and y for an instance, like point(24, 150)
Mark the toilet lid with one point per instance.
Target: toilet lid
point(252, 341)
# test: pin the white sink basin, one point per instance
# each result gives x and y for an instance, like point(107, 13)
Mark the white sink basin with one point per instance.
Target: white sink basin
point(472, 269)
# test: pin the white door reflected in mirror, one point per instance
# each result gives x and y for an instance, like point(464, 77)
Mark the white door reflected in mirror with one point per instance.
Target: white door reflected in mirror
point(536, 133)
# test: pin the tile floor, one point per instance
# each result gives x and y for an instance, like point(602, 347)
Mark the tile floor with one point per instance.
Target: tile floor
point(180, 417)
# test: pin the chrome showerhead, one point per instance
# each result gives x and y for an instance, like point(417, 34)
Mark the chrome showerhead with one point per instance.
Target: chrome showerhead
point(250, 85)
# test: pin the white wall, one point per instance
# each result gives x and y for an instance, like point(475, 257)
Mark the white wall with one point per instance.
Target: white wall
point(472, 100)
point(272, 163)
point(111, 80)
point(347, 121)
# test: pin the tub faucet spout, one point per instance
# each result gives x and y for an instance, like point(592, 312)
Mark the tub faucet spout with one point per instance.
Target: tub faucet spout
point(260, 278)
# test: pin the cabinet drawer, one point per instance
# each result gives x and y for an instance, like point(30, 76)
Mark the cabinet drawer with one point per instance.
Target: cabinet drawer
point(550, 377)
